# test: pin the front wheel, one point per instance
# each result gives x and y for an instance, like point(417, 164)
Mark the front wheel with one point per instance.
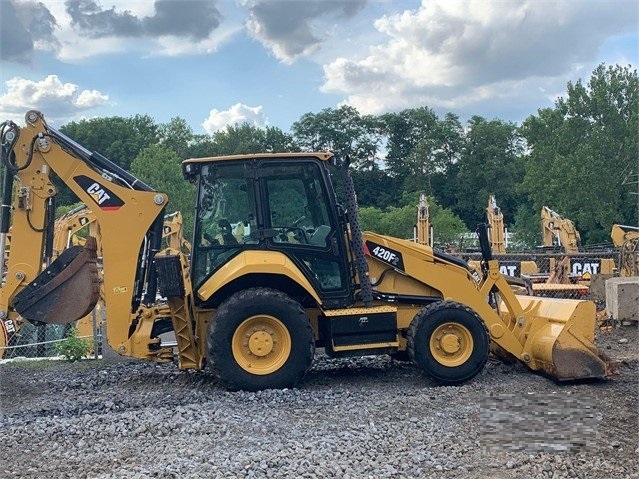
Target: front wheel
point(448, 342)
point(260, 339)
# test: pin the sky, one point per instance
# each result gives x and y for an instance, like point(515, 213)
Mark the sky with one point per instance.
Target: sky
point(268, 62)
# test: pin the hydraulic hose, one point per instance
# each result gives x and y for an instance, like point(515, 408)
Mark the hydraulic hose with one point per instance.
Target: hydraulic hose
point(155, 246)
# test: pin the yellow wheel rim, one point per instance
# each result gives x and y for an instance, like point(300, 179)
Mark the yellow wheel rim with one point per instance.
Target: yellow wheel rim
point(451, 344)
point(261, 344)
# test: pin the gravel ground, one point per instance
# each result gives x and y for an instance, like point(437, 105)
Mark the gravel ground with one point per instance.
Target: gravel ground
point(356, 418)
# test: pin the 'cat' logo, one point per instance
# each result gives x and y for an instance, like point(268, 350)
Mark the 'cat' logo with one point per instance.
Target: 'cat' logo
point(509, 268)
point(103, 197)
point(586, 267)
point(98, 193)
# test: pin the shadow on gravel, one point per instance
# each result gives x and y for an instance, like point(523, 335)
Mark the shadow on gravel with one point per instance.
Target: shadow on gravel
point(362, 372)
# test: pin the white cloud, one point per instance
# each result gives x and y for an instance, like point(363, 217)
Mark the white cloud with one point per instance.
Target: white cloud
point(165, 29)
point(58, 101)
point(90, 99)
point(238, 113)
point(295, 29)
point(459, 54)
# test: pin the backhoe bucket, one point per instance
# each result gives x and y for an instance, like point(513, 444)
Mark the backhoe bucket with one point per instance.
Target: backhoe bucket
point(560, 342)
point(66, 291)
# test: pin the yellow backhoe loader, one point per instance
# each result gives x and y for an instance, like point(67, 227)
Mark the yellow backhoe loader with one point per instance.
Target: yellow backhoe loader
point(278, 268)
point(626, 239)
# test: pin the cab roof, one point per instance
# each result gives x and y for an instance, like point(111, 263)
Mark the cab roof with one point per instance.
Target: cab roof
point(320, 155)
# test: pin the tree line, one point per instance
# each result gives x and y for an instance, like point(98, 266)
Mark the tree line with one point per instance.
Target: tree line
point(579, 157)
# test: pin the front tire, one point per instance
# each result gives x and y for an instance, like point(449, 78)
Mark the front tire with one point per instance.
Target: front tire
point(260, 339)
point(448, 342)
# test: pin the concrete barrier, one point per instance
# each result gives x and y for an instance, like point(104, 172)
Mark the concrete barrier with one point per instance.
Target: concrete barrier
point(598, 286)
point(622, 298)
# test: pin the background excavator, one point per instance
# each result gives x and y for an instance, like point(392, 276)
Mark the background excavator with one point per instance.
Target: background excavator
point(69, 225)
point(559, 232)
point(626, 238)
point(68, 229)
point(571, 274)
point(496, 231)
point(423, 228)
point(252, 310)
point(510, 265)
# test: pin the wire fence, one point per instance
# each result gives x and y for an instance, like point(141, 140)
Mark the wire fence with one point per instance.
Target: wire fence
point(555, 274)
point(41, 340)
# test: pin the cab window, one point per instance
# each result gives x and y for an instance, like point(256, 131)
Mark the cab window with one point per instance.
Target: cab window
point(226, 216)
point(297, 205)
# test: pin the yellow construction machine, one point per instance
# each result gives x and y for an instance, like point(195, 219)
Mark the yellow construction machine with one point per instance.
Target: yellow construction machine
point(496, 232)
point(173, 233)
point(67, 227)
point(66, 234)
point(278, 268)
point(423, 227)
point(626, 239)
point(511, 266)
point(570, 275)
point(559, 232)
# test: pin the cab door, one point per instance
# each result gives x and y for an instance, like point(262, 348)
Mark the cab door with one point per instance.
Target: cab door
point(300, 209)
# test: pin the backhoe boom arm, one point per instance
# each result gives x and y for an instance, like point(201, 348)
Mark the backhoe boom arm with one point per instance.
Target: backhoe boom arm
point(129, 214)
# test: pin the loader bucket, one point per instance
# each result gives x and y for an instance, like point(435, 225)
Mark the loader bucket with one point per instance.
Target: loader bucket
point(560, 342)
point(64, 292)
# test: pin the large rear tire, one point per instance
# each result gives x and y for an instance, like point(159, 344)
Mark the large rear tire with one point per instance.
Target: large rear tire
point(260, 339)
point(448, 342)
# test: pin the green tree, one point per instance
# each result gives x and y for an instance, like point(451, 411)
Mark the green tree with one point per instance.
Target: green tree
point(375, 187)
point(119, 139)
point(431, 164)
point(399, 222)
point(343, 131)
point(526, 229)
point(396, 222)
point(176, 135)
point(583, 153)
point(160, 168)
point(404, 131)
point(491, 164)
point(242, 139)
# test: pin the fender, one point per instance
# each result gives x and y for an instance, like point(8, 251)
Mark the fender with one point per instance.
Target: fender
point(248, 262)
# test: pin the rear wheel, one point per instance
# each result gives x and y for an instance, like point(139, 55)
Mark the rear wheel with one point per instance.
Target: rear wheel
point(260, 339)
point(448, 342)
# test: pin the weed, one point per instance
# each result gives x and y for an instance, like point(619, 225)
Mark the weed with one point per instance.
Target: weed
point(73, 348)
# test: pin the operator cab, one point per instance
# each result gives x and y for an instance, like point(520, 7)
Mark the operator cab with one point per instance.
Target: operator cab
point(270, 202)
